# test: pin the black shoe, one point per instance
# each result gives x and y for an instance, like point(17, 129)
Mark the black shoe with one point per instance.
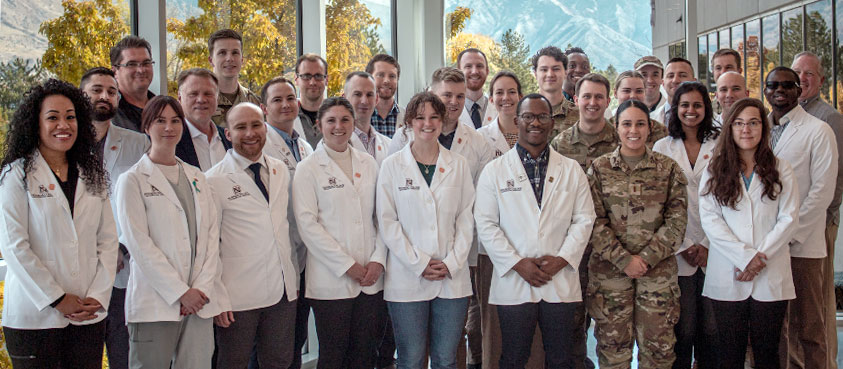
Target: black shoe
point(474, 366)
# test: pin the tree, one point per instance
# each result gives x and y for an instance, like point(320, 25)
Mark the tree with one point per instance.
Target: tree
point(455, 21)
point(82, 36)
point(514, 56)
point(268, 28)
point(16, 78)
point(348, 29)
point(610, 73)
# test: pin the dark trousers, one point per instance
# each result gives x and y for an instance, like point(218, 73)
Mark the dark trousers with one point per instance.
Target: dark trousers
point(557, 324)
point(349, 330)
point(386, 349)
point(696, 330)
point(761, 322)
point(116, 333)
point(302, 314)
point(77, 347)
point(269, 331)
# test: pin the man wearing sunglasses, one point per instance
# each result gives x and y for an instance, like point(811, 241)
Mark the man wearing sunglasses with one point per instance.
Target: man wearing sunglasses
point(131, 61)
point(311, 79)
point(809, 146)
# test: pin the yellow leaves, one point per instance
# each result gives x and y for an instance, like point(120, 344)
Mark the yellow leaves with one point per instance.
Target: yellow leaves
point(346, 22)
point(463, 41)
point(455, 21)
point(82, 36)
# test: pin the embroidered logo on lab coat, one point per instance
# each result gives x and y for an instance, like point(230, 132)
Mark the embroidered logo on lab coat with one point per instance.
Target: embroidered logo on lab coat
point(43, 192)
point(238, 193)
point(408, 185)
point(153, 192)
point(332, 184)
point(510, 186)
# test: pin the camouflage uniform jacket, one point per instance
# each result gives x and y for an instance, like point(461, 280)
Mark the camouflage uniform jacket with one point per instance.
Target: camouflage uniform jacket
point(571, 144)
point(564, 116)
point(223, 104)
point(640, 211)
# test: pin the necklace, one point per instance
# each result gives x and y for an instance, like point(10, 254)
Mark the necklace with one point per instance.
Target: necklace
point(57, 172)
point(427, 167)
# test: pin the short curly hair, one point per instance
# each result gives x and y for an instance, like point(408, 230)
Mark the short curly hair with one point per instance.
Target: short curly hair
point(23, 137)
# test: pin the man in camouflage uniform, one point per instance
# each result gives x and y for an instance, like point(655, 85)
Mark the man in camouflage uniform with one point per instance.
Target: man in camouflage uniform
point(641, 215)
point(549, 68)
point(225, 53)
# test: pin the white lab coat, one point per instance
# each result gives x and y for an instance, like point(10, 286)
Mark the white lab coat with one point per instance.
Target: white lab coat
point(493, 135)
point(123, 148)
point(694, 235)
point(511, 226)
point(381, 145)
point(154, 229)
point(277, 148)
point(48, 251)
point(809, 146)
point(488, 118)
point(255, 253)
point(420, 222)
point(336, 218)
point(757, 224)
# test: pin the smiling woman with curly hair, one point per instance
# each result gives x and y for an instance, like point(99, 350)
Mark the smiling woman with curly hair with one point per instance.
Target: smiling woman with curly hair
point(60, 242)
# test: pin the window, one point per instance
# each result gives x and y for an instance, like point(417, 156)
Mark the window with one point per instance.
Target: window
point(791, 34)
point(268, 29)
point(818, 39)
point(63, 39)
point(753, 58)
point(712, 48)
point(355, 30)
point(702, 59)
point(738, 44)
point(725, 40)
point(677, 50)
point(770, 44)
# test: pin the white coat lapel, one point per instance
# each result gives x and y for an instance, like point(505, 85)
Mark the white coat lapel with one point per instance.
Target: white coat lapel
point(192, 175)
point(331, 168)
point(112, 150)
point(274, 181)
point(156, 179)
point(44, 178)
point(789, 132)
point(521, 179)
point(551, 178)
point(706, 153)
point(459, 144)
point(444, 167)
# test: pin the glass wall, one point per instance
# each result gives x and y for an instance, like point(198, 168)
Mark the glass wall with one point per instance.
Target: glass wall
point(355, 31)
point(53, 38)
point(702, 59)
point(753, 58)
point(677, 50)
point(725, 40)
point(818, 39)
point(791, 34)
point(770, 45)
point(738, 44)
point(268, 28)
point(712, 48)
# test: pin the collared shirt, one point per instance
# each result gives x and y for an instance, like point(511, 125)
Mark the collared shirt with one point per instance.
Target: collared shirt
point(536, 169)
point(224, 104)
point(368, 139)
point(308, 123)
point(243, 163)
point(656, 105)
point(208, 153)
point(447, 139)
point(826, 113)
point(778, 129)
point(568, 96)
point(564, 116)
point(571, 144)
point(482, 103)
point(386, 126)
point(666, 114)
point(129, 116)
point(292, 142)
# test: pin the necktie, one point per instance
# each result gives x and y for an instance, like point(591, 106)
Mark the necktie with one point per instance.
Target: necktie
point(475, 116)
point(256, 169)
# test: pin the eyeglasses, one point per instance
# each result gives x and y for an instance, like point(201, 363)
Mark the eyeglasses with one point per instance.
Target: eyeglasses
point(134, 64)
point(308, 77)
point(530, 117)
point(740, 125)
point(787, 85)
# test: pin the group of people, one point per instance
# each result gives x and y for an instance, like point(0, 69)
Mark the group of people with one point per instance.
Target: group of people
point(466, 229)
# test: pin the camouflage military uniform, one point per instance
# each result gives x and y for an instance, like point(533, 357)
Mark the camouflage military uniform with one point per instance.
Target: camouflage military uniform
point(223, 104)
point(640, 211)
point(564, 116)
point(570, 143)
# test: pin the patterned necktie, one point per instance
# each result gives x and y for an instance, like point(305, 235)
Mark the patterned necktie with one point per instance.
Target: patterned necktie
point(475, 116)
point(256, 169)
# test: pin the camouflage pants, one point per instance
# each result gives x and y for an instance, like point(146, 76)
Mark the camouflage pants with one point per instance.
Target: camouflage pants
point(626, 310)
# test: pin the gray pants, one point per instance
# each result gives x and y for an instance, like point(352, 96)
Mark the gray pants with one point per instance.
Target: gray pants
point(271, 330)
point(188, 344)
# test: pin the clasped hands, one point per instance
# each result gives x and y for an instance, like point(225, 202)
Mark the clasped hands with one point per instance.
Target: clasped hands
point(365, 275)
point(696, 255)
point(752, 269)
point(78, 309)
point(539, 271)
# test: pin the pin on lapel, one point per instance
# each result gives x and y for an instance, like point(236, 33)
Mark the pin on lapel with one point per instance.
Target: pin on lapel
point(550, 179)
point(441, 170)
point(52, 186)
point(459, 140)
point(705, 156)
point(357, 175)
point(274, 172)
point(195, 187)
point(114, 148)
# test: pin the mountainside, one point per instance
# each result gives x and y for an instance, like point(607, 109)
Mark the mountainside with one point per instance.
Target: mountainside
point(19, 21)
point(613, 32)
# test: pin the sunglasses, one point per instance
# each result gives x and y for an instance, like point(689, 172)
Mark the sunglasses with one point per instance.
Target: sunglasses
point(787, 85)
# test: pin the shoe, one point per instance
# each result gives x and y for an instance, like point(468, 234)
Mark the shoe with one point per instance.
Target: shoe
point(474, 366)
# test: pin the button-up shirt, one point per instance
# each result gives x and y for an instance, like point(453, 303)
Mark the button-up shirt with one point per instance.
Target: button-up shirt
point(536, 169)
point(368, 139)
point(208, 153)
point(386, 126)
point(778, 129)
point(243, 163)
point(291, 141)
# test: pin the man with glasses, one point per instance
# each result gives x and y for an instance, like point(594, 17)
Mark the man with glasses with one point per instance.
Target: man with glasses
point(534, 239)
point(131, 61)
point(311, 78)
point(387, 115)
point(808, 145)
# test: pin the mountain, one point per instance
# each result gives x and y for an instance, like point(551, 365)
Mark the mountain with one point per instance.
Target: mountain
point(19, 21)
point(615, 32)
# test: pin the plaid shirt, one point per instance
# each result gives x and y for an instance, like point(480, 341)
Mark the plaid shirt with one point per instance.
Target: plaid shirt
point(536, 169)
point(386, 126)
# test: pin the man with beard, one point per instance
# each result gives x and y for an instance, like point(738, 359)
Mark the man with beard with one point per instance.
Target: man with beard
point(131, 61)
point(652, 70)
point(811, 77)
point(578, 66)
point(120, 148)
point(807, 143)
point(387, 115)
point(731, 87)
point(225, 53)
point(311, 78)
point(473, 63)
point(549, 69)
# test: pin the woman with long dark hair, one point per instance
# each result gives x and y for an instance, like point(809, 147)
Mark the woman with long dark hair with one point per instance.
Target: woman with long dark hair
point(749, 208)
point(691, 143)
point(640, 201)
point(169, 224)
point(59, 239)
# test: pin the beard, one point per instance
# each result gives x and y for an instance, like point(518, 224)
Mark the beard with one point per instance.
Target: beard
point(102, 114)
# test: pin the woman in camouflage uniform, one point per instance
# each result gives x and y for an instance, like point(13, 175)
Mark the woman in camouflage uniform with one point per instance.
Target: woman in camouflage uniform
point(641, 205)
